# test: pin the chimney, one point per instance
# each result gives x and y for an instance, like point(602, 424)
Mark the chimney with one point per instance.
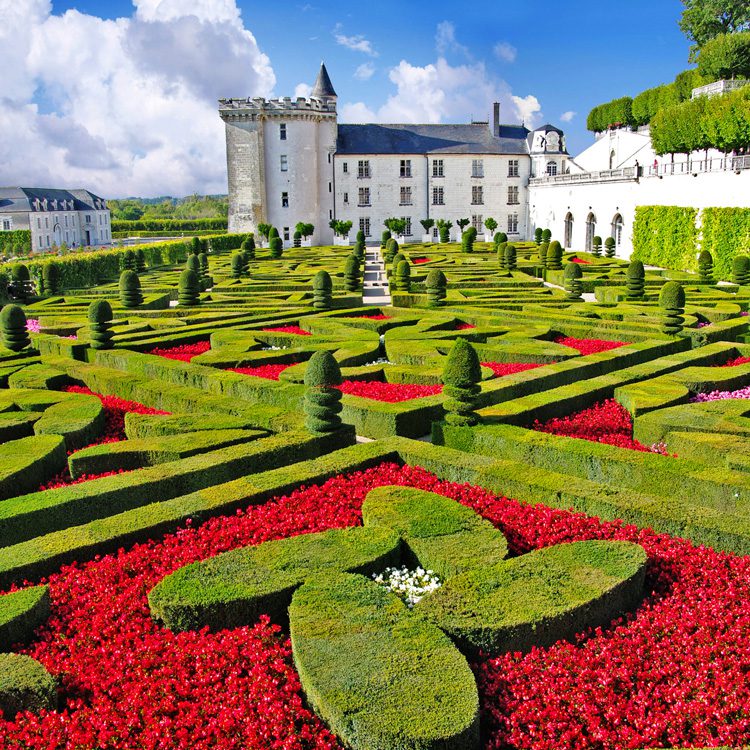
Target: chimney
point(496, 119)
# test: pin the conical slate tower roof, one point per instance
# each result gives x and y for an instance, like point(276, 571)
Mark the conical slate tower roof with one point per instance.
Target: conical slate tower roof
point(323, 86)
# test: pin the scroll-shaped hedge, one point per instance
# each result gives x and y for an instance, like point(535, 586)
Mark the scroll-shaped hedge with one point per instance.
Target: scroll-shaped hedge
point(380, 677)
point(236, 587)
point(21, 613)
point(539, 598)
point(27, 462)
point(25, 685)
point(78, 418)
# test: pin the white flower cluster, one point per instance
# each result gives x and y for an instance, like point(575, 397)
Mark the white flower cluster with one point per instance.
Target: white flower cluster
point(381, 361)
point(409, 585)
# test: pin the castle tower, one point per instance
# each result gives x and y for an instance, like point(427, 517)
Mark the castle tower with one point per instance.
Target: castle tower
point(280, 161)
point(548, 153)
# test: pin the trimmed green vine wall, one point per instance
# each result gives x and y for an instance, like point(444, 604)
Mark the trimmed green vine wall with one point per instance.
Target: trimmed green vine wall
point(17, 241)
point(666, 236)
point(725, 233)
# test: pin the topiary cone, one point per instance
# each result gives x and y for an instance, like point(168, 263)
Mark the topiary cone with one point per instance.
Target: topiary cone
point(596, 248)
point(238, 265)
point(195, 246)
point(706, 267)
point(437, 285)
point(21, 279)
point(188, 291)
point(572, 282)
point(402, 277)
point(501, 247)
point(322, 291)
point(51, 277)
point(511, 257)
point(203, 261)
point(543, 250)
point(129, 262)
point(741, 270)
point(100, 323)
point(130, 289)
point(322, 403)
point(672, 302)
point(140, 260)
point(609, 245)
point(384, 237)
point(461, 377)
point(636, 279)
point(15, 335)
point(553, 260)
point(351, 273)
point(391, 250)
point(467, 241)
point(276, 247)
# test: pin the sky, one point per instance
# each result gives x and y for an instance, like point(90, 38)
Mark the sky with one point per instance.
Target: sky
point(119, 96)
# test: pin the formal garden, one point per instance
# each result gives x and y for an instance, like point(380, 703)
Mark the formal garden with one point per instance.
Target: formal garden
point(242, 509)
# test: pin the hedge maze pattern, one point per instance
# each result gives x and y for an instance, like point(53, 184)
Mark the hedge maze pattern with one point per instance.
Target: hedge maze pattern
point(147, 390)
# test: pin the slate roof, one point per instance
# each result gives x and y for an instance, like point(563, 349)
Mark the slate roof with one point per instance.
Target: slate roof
point(323, 86)
point(431, 139)
point(18, 200)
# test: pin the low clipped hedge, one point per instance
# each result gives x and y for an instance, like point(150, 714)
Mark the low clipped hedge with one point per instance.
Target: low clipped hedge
point(25, 685)
point(21, 613)
point(27, 462)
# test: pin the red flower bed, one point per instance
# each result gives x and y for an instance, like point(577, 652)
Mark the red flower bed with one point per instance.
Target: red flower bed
point(288, 329)
point(270, 372)
point(380, 316)
point(63, 479)
point(463, 326)
point(419, 261)
point(737, 361)
point(589, 346)
point(672, 674)
point(582, 261)
point(184, 352)
point(606, 422)
point(391, 392)
point(508, 368)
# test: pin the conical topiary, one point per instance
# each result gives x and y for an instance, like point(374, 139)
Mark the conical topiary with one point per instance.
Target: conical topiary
point(351, 273)
point(467, 240)
point(546, 235)
point(248, 244)
point(706, 267)
point(609, 247)
point(203, 260)
point(140, 260)
point(129, 262)
point(402, 277)
point(238, 265)
point(196, 247)
point(538, 235)
point(297, 237)
point(397, 258)
point(322, 291)
point(461, 377)
point(189, 289)
point(275, 247)
point(384, 239)
point(741, 270)
point(543, 250)
point(130, 289)
point(273, 232)
point(51, 277)
point(672, 302)
point(360, 236)
point(391, 250)
point(553, 260)
point(193, 263)
point(500, 237)
point(636, 279)
point(437, 288)
point(359, 248)
point(322, 399)
point(100, 324)
point(572, 281)
point(511, 257)
point(596, 247)
point(21, 279)
point(15, 335)
point(501, 248)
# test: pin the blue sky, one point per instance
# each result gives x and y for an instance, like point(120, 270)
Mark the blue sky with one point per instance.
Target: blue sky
point(388, 61)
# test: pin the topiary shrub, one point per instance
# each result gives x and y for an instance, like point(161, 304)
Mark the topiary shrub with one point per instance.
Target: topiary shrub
point(500, 237)
point(140, 260)
point(196, 247)
point(238, 265)
point(297, 237)
point(360, 236)
point(501, 248)
point(609, 245)
point(193, 263)
point(391, 250)
point(351, 273)
point(322, 399)
point(597, 246)
point(741, 270)
point(553, 259)
point(706, 267)
point(538, 235)
point(130, 289)
point(672, 301)
point(384, 239)
point(437, 286)
point(25, 685)
point(21, 613)
point(273, 232)
point(100, 324)
point(359, 249)
point(636, 279)
point(15, 335)
point(467, 240)
point(276, 247)
point(51, 277)
point(203, 262)
point(461, 377)
point(402, 277)
point(21, 287)
point(511, 257)
point(322, 291)
point(543, 250)
point(444, 230)
point(189, 289)
point(572, 282)
point(546, 235)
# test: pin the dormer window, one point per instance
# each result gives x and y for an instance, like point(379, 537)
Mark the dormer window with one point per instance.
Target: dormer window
point(551, 168)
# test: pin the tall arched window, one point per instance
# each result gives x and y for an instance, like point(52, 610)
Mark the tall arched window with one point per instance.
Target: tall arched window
point(590, 231)
point(617, 229)
point(568, 231)
point(551, 168)
point(612, 159)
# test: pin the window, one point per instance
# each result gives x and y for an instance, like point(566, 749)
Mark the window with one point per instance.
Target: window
point(437, 168)
point(41, 245)
point(285, 200)
point(512, 223)
point(477, 221)
point(364, 225)
point(405, 196)
point(88, 218)
point(284, 163)
point(38, 223)
point(363, 168)
point(66, 221)
point(329, 157)
point(407, 231)
point(66, 238)
point(364, 197)
point(477, 195)
point(282, 131)
point(405, 168)
point(46, 221)
point(6, 225)
point(477, 167)
point(346, 197)
point(329, 187)
point(551, 168)
point(513, 195)
point(513, 168)
point(345, 167)
point(286, 234)
point(437, 196)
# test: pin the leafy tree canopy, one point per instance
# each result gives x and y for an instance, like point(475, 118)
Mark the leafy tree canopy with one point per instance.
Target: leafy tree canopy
point(702, 20)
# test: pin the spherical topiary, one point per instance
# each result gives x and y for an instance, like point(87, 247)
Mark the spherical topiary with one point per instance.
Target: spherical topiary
point(238, 265)
point(322, 399)
point(538, 235)
point(351, 273)
point(597, 246)
point(437, 285)
point(543, 250)
point(706, 267)
point(100, 323)
point(461, 377)
point(51, 277)
point(248, 252)
point(15, 336)
point(276, 247)
point(572, 281)
point(672, 302)
point(384, 239)
point(501, 248)
point(553, 260)
point(193, 263)
point(322, 291)
point(195, 246)
point(19, 275)
point(546, 235)
point(402, 277)
point(511, 257)
point(609, 245)
point(25, 685)
point(391, 249)
point(467, 240)
point(130, 289)
point(189, 289)
point(129, 262)
point(636, 279)
point(297, 237)
point(500, 237)
point(140, 260)
point(741, 269)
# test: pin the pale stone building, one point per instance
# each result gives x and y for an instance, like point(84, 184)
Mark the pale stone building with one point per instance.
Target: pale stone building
point(291, 161)
point(56, 217)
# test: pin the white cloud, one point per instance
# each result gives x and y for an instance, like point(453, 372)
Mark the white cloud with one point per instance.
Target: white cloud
point(364, 72)
point(357, 42)
point(445, 40)
point(568, 116)
point(505, 51)
point(358, 112)
point(528, 108)
point(125, 106)
point(303, 89)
